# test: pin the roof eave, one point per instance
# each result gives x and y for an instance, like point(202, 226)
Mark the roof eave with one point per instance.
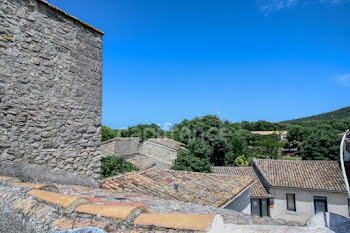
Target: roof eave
point(223, 205)
point(309, 189)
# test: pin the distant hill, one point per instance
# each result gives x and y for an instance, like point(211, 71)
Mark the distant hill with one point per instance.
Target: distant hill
point(343, 113)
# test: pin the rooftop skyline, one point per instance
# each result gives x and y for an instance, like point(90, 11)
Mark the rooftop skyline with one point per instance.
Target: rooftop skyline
point(252, 60)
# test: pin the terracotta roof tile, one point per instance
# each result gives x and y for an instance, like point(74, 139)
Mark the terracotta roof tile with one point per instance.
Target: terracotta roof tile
point(197, 222)
point(66, 201)
point(6, 178)
point(197, 188)
point(257, 190)
point(317, 175)
point(111, 211)
point(33, 185)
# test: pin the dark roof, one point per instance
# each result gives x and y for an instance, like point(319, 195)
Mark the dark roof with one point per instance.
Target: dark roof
point(256, 191)
point(316, 175)
point(70, 16)
point(197, 188)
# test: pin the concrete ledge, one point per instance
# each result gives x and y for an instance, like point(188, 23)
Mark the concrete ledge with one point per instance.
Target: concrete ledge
point(195, 222)
point(66, 201)
point(40, 173)
point(120, 212)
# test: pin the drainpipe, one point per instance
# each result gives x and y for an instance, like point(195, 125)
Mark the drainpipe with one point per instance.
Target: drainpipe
point(342, 144)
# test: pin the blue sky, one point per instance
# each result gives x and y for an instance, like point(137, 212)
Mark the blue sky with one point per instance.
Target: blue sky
point(167, 60)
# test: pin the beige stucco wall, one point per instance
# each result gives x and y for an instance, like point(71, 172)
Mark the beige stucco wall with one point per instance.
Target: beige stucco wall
point(336, 203)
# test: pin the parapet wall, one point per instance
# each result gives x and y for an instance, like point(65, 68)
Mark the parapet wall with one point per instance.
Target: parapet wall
point(50, 94)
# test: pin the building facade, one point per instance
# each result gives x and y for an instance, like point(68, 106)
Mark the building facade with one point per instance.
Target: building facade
point(258, 198)
point(50, 94)
point(300, 205)
point(302, 188)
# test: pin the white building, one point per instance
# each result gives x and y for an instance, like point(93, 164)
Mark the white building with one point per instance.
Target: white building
point(281, 134)
point(303, 188)
point(259, 199)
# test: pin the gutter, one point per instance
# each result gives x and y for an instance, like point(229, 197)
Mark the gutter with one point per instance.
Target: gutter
point(306, 189)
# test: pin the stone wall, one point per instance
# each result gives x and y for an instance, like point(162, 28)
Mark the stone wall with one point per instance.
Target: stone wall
point(50, 92)
point(151, 152)
point(164, 155)
point(120, 146)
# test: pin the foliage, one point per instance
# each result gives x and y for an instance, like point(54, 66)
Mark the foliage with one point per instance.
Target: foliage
point(269, 146)
point(107, 133)
point(142, 131)
point(186, 161)
point(340, 114)
point(241, 161)
point(212, 142)
point(262, 126)
point(321, 144)
point(110, 166)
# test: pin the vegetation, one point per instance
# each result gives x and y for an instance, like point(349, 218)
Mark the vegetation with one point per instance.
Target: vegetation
point(107, 133)
point(343, 113)
point(213, 142)
point(142, 131)
point(209, 141)
point(110, 166)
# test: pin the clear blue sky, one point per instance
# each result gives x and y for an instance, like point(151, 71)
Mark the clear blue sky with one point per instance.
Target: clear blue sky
point(166, 60)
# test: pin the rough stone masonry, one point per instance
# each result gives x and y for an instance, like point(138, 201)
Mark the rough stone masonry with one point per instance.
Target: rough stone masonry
point(50, 94)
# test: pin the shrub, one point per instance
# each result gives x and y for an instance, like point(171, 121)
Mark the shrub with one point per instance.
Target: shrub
point(110, 166)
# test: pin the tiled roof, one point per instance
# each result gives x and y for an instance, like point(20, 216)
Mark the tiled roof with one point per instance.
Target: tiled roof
point(317, 175)
point(52, 211)
point(141, 165)
point(265, 133)
point(257, 190)
point(166, 142)
point(197, 188)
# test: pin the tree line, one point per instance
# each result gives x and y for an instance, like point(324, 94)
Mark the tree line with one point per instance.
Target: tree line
point(210, 141)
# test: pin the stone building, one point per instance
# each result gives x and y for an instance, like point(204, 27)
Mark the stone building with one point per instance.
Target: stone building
point(158, 152)
point(50, 94)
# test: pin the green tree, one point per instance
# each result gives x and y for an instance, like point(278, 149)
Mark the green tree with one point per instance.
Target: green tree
point(269, 146)
point(187, 161)
point(110, 166)
point(142, 131)
point(321, 144)
point(107, 133)
point(241, 161)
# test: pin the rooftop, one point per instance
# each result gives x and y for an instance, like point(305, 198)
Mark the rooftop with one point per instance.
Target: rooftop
point(265, 133)
point(198, 188)
point(256, 191)
point(316, 175)
point(166, 142)
point(48, 208)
